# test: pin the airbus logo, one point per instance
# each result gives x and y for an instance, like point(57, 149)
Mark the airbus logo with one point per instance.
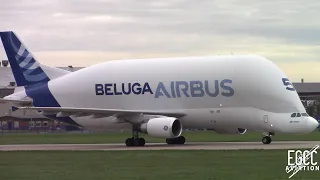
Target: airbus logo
point(172, 89)
point(165, 128)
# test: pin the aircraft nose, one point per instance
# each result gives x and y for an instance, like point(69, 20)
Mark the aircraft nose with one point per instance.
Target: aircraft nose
point(312, 123)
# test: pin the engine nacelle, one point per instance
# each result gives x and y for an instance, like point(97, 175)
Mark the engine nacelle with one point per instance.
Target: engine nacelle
point(231, 131)
point(165, 127)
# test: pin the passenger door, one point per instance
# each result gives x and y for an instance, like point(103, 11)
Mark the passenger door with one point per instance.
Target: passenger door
point(265, 119)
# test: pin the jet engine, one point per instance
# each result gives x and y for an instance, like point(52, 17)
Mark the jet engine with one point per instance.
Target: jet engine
point(231, 131)
point(165, 127)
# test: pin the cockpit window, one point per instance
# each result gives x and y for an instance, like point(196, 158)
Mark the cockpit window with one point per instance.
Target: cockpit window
point(299, 115)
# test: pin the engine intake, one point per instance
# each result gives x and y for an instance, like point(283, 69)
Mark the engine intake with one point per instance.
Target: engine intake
point(165, 127)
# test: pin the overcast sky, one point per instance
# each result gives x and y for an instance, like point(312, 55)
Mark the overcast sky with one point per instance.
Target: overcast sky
point(86, 32)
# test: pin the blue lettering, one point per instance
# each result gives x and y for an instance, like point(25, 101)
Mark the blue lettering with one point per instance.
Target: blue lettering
point(216, 87)
point(115, 90)
point(184, 90)
point(99, 89)
point(160, 88)
point(172, 89)
point(146, 88)
point(106, 89)
point(196, 86)
point(228, 88)
point(129, 89)
point(137, 90)
point(177, 88)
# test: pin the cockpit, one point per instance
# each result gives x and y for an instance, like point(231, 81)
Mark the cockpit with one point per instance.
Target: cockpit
point(302, 121)
point(299, 115)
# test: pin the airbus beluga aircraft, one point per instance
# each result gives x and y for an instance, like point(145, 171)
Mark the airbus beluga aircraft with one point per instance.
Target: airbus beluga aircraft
point(161, 97)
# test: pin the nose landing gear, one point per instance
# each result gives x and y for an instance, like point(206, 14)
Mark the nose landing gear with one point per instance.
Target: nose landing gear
point(266, 140)
point(267, 137)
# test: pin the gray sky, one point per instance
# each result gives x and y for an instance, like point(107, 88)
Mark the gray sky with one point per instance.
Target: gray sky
point(86, 32)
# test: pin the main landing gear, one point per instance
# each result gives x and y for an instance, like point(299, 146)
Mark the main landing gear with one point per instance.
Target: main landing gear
point(178, 140)
point(267, 137)
point(135, 140)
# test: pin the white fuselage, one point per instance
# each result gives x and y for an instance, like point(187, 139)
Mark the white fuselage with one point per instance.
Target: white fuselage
point(218, 92)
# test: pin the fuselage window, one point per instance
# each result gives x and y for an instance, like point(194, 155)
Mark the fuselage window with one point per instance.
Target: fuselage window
point(298, 115)
point(293, 115)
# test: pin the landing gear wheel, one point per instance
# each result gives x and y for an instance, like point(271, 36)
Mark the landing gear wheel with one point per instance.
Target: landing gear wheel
point(142, 142)
point(266, 140)
point(169, 141)
point(129, 142)
point(178, 140)
point(181, 140)
point(135, 142)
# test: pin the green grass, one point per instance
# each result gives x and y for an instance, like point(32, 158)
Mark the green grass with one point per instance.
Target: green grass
point(148, 165)
point(94, 138)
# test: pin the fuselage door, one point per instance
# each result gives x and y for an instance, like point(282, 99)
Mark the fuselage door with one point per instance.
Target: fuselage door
point(265, 119)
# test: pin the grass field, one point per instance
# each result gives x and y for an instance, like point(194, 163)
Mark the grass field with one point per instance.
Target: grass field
point(148, 165)
point(93, 138)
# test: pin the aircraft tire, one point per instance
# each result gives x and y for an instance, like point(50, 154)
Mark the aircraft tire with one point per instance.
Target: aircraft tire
point(135, 142)
point(178, 140)
point(169, 141)
point(266, 140)
point(181, 140)
point(129, 142)
point(142, 142)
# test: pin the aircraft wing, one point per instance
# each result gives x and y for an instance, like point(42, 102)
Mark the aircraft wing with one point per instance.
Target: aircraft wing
point(98, 113)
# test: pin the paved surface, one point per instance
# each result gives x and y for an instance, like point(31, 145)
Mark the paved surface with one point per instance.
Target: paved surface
point(162, 146)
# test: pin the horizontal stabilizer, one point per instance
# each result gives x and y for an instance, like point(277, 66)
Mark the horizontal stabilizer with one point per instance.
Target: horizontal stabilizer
point(23, 102)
